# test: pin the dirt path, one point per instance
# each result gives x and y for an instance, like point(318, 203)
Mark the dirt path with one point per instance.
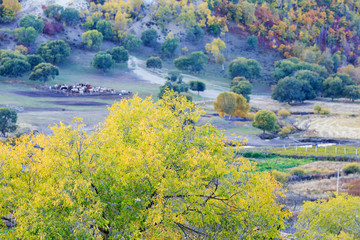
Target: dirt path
point(158, 77)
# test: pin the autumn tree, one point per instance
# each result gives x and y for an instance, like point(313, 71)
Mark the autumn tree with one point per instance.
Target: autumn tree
point(216, 48)
point(8, 118)
point(103, 61)
point(12, 4)
point(197, 86)
point(44, 72)
point(265, 120)
point(54, 51)
point(92, 39)
point(6, 14)
point(149, 172)
point(232, 104)
point(154, 62)
point(242, 67)
point(335, 218)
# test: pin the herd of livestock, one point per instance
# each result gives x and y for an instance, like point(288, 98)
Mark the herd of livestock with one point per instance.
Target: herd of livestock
point(85, 89)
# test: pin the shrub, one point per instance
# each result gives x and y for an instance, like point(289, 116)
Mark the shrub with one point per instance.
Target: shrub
point(242, 67)
point(354, 187)
point(299, 172)
point(252, 42)
point(54, 11)
point(92, 39)
point(194, 34)
point(170, 45)
point(54, 51)
point(103, 61)
point(325, 111)
point(149, 37)
point(132, 42)
point(26, 36)
point(70, 16)
point(283, 113)
point(119, 54)
point(286, 130)
point(154, 62)
point(32, 21)
point(280, 176)
point(52, 28)
point(351, 168)
point(317, 109)
point(105, 27)
point(250, 116)
point(236, 81)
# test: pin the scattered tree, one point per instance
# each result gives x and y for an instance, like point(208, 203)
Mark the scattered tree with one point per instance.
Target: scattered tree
point(8, 118)
point(291, 89)
point(252, 42)
point(26, 36)
point(54, 11)
point(352, 92)
point(216, 48)
point(265, 120)
point(149, 37)
point(103, 61)
point(106, 29)
point(34, 60)
point(335, 218)
point(243, 88)
point(32, 21)
point(14, 67)
point(195, 62)
point(119, 54)
point(170, 45)
point(179, 87)
point(194, 34)
point(54, 51)
point(333, 87)
point(44, 72)
point(154, 62)
point(6, 14)
point(242, 67)
point(197, 86)
point(92, 39)
point(12, 4)
point(236, 81)
point(70, 16)
point(232, 104)
point(132, 42)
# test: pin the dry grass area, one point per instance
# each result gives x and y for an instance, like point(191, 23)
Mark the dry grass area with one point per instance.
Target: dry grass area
point(322, 188)
point(339, 106)
point(324, 166)
point(330, 126)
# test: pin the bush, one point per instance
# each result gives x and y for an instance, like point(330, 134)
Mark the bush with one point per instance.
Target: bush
point(54, 11)
point(283, 113)
point(32, 21)
point(194, 34)
point(149, 37)
point(26, 36)
point(280, 176)
point(286, 130)
point(252, 42)
point(103, 61)
point(6, 14)
point(351, 168)
point(170, 45)
point(92, 39)
point(105, 27)
point(236, 81)
point(317, 109)
point(299, 172)
point(52, 28)
point(119, 54)
point(132, 42)
point(250, 116)
point(242, 67)
point(54, 51)
point(154, 62)
point(70, 16)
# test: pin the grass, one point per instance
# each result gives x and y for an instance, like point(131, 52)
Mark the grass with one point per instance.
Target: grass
point(319, 151)
point(279, 163)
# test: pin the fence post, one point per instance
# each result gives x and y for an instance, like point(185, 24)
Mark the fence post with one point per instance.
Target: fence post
point(306, 149)
point(296, 148)
point(356, 151)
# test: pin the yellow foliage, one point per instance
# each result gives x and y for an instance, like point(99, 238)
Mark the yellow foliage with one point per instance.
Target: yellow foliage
point(13, 4)
point(148, 172)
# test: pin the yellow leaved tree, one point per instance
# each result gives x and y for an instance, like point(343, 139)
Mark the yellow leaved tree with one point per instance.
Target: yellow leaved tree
point(148, 172)
point(13, 4)
point(232, 104)
point(216, 48)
